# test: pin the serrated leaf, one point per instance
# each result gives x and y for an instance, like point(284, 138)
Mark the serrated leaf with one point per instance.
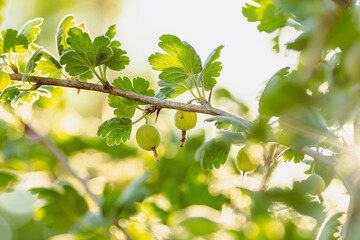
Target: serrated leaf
point(266, 13)
point(180, 63)
point(84, 54)
point(224, 123)
point(31, 64)
point(211, 69)
point(62, 34)
point(213, 153)
point(7, 180)
point(118, 60)
point(31, 29)
point(62, 208)
point(9, 93)
point(125, 107)
point(11, 41)
point(292, 155)
point(115, 130)
point(331, 227)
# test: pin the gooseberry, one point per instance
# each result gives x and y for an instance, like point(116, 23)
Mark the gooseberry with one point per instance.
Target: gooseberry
point(248, 157)
point(184, 121)
point(148, 138)
point(4, 80)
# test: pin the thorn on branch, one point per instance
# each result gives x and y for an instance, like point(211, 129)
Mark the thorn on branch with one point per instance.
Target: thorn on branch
point(157, 114)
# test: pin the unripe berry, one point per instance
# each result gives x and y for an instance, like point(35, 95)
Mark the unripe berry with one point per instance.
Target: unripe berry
point(248, 157)
point(184, 121)
point(148, 138)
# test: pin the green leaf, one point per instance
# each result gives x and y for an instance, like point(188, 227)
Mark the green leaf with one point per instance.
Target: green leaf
point(293, 155)
point(62, 208)
point(7, 180)
point(115, 130)
point(62, 34)
point(180, 63)
point(171, 90)
point(9, 93)
point(48, 65)
point(270, 19)
point(31, 64)
point(31, 29)
point(224, 123)
point(211, 69)
point(331, 227)
point(125, 107)
point(118, 60)
point(111, 32)
point(29, 97)
point(199, 226)
point(11, 41)
point(84, 55)
point(213, 153)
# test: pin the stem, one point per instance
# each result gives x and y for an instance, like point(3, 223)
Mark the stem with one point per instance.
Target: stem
point(155, 154)
point(98, 76)
point(192, 93)
point(138, 120)
point(183, 138)
point(197, 87)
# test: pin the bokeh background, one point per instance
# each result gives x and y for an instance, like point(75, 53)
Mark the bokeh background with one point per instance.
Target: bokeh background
point(71, 119)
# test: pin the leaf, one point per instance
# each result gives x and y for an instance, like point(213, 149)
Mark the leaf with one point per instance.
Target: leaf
point(331, 227)
point(281, 93)
point(213, 153)
point(7, 180)
point(211, 69)
point(125, 107)
point(9, 93)
point(48, 65)
point(111, 32)
point(11, 41)
point(270, 19)
point(115, 130)
point(134, 192)
point(199, 226)
point(31, 29)
point(292, 155)
point(31, 65)
point(118, 60)
point(84, 55)
point(171, 90)
point(62, 208)
point(224, 123)
point(29, 97)
point(181, 62)
point(62, 34)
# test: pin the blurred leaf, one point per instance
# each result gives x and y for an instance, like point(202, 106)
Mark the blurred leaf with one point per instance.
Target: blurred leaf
point(9, 93)
point(115, 130)
point(84, 55)
point(331, 227)
point(293, 155)
point(8, 180)
point(125, 107)
point(110, 197)
point(134, 192)
point(222, 93)
point(224, 123)
point(270, 19)
point(62, 208)
point(199, 226)
point(62, 34)
point(31, 65)
point(213, 153)
point(48, 65)
point(281, 93)
point(11, 41)
point(29, 97)
point(181, 63)
point(31, 29)
point(211, 69)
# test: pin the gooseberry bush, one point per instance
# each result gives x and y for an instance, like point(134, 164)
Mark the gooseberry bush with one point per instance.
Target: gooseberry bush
point(202, 191)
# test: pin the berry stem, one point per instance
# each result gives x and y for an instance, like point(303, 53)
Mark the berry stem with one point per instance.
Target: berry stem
point(183, 138)
point(320, 197)
point(155, 154)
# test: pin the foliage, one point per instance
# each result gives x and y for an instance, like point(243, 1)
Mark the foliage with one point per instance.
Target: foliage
point(302, 113)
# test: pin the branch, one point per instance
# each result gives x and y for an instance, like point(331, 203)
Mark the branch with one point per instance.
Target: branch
point(157, 103)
